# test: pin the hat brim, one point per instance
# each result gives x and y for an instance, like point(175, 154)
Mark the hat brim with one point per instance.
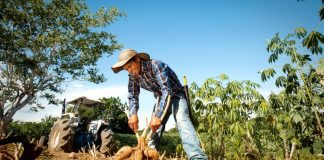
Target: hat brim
point(117, 67)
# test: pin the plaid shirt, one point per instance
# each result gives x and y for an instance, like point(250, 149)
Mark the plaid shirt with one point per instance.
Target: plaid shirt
point(156, 77)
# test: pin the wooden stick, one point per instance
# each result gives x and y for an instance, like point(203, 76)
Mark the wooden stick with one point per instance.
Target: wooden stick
point(162, 117)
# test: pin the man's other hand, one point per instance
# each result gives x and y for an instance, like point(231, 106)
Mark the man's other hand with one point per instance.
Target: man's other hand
point(155, 123)
point(133, 123)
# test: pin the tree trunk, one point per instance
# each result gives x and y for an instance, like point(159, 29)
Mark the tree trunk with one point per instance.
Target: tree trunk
point(3, 127)
point(286, 150)
point(222, 145)
point(293, 145)
point(21, 101)
point(211, 146)
point(250, 148)
point(319, 123)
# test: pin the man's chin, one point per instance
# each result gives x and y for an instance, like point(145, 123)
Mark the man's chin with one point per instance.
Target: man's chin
point(135, 75)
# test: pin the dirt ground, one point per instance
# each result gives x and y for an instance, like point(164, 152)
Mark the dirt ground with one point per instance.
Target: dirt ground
point(7, 153)
point(46, 154)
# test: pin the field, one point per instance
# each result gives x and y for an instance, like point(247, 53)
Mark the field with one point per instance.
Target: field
point(168, 147)
point(169, 150)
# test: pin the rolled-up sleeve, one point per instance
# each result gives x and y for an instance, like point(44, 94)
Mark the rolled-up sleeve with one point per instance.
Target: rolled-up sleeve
point(160, 71)
point(133, 92)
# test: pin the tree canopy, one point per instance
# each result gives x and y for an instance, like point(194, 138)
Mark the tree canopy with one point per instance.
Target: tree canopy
point(44, 43)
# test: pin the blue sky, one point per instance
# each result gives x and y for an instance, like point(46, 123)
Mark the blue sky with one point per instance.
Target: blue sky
point(199, 39)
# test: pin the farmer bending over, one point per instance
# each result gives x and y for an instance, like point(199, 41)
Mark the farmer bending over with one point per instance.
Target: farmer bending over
point(158, 77)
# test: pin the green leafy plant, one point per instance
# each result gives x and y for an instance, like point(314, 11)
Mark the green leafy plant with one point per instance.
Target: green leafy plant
point(45, 43)
point(295, 110)
point(224, 109)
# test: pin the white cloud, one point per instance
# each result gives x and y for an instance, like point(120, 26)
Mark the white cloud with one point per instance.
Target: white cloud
point(78, 90)
point(73, 90)
point(77, 85)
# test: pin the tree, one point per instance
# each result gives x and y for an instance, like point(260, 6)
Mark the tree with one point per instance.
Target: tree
point(43, 44)
point(112, 111)
point(115, 112)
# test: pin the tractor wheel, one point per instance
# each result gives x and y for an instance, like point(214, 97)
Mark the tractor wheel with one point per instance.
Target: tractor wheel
point(108, 145)
point(61, 136)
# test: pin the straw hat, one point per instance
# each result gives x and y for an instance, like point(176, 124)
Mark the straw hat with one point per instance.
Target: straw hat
point(125, 56)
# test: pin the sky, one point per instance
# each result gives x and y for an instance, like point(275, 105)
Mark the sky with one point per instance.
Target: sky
point(197, 39)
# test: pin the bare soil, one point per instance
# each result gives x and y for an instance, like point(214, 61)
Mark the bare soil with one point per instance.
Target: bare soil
point(53, 155)
point(8, 151)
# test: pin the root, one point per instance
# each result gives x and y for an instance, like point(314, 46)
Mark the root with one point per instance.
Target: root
point(123, 153)
point(136, 153)
point(141, 151)
point(151, 154)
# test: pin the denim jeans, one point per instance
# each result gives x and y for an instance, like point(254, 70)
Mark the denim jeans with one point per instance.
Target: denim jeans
point(189, 138)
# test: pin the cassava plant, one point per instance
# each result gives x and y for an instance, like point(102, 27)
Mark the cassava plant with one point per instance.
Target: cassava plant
point(224, 109)
point(297, 106)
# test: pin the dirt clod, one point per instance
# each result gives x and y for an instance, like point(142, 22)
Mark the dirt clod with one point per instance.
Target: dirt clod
point(72, 155)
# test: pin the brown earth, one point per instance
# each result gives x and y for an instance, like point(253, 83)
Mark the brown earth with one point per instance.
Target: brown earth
point(52, 155)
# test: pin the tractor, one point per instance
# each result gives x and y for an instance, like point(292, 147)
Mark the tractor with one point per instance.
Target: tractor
point(72, 133)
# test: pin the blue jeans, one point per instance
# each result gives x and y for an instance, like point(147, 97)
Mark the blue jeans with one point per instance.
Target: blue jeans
point(189, 138)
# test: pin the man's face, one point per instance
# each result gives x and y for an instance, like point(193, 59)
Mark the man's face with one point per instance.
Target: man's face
point(133, 67)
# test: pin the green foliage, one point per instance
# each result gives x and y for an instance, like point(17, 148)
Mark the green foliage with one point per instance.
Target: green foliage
point(173, 130)
point(300, 81)
point(268, 73)
point(44, 43)
point(32, 129)
point(125, 140)
point(321, 12)
point(320, 69)
point(112, 111)
point(292, 119)
point(300, 32)
point(312, 42)
point(223, 108)
point(169, 143)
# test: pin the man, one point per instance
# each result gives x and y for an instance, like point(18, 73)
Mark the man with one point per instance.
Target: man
point(157, 77)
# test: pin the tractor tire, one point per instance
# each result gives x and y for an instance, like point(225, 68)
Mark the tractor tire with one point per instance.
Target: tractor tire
point(61, 136)
point(108, 145)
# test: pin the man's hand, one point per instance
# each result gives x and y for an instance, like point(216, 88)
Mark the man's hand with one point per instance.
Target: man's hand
point(133, 123)
point(155, 123)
